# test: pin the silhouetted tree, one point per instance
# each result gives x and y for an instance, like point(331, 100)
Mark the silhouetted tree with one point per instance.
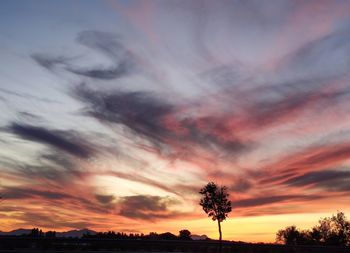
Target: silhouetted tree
point(289, 236)
point(215, 203)
point(333, 231)
point(50, 234)
point(185, 234)
point(153, 235)
point(36, 232)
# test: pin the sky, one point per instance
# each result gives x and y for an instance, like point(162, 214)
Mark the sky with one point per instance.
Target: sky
point(114, 114)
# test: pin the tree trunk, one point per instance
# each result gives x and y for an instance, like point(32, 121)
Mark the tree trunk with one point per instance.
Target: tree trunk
point(220, 237)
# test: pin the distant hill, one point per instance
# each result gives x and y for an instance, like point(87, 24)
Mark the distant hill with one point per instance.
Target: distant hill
point(76, 233)
point(199, 237)
point(72, 233)
point(20, 231)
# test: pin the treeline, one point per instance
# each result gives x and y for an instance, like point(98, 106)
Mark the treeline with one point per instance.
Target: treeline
point(36, 232)
point(330, 231)
point(183, 235)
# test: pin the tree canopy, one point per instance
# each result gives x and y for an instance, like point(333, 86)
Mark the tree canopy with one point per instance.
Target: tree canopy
point(215, 201)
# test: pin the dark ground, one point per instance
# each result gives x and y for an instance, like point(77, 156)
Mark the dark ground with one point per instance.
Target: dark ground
point(68, 245)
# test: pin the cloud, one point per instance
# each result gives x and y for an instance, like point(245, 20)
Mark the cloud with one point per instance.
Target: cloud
point(140, 111)
point(106, 74)
point(307, 166)
point(148, 115)
point(227, 75)
point(49, 62)
point(142, 179)
point(271, 105)
point(213, 131)
point(104, 199)
point(145, 207)
point(54, 169)
point(335, 180)
point(241, 185)
point(30, 116)
point(27, 96)
point(239, 106)
point(71, 197)
point(62, 140)
point(105, 43)
point(260, 201)
point(27, 193)
point(316, 157)
point(52, 220)
point(323, 57)
point(111, 46)
point(280, 177)
point(59, 159)
point(309, 79)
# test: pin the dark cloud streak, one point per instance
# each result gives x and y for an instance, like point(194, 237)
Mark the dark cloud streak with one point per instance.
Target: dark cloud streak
point(26, 193)
point(146, 207)
point(141, 112)
point(62, 140)
point(104, 199)
point(260, 201)
point(334, 180)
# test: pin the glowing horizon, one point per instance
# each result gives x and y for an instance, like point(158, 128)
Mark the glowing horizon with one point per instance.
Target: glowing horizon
point(115, 114)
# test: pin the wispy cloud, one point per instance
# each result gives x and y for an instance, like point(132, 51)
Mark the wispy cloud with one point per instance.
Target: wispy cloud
point(27, 96)
point(255, 95)
point(104, 43)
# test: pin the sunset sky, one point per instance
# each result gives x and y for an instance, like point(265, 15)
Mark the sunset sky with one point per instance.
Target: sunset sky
point(115, 113)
